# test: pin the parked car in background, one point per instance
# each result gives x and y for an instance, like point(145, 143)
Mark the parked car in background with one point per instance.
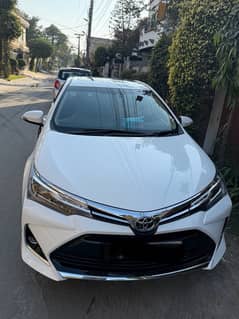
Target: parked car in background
point(117, 190)
point(64, 74)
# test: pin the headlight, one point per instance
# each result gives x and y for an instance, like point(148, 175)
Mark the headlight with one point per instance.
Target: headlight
point(209, 197)
point(51, 196)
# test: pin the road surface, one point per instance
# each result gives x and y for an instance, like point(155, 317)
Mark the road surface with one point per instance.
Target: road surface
point(24, 294)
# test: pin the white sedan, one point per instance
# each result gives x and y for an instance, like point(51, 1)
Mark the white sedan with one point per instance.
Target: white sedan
point(64, 74)
point(116, 189)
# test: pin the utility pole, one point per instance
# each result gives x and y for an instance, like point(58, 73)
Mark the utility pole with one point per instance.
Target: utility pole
point(91, 9)
point(79, 35)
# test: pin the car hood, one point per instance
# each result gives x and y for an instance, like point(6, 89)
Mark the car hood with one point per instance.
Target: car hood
point(134, 173)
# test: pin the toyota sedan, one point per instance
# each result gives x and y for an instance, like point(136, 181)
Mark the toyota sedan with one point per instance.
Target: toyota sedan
point(116, 189)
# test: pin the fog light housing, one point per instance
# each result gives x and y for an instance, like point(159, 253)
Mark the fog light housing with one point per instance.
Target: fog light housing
point(33, 244)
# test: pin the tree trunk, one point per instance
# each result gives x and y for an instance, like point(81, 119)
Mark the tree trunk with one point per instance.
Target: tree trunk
point(6, 58)
point(32, 64)
point(214, 121)
point(225, 135)
point(37, 65)
point(1, 57)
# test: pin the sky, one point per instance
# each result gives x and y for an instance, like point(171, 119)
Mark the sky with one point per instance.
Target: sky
point(69, 15)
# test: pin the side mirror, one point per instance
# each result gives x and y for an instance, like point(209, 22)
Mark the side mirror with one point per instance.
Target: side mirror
point(186, 121)
point(34, 117)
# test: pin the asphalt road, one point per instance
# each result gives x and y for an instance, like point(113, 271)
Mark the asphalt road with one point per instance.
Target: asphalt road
point(24, 294)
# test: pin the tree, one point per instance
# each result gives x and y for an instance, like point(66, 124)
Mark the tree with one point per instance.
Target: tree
point(125, 17)
point(193, 63)
point(159, 67)
point(173, 15)
point(226, 79)
point(54, 35)
point(9, 30)
point(39, 49)
point(159, 70)
point(61, 53)
point(34, 31)
point(77, 62)
point(100, 56)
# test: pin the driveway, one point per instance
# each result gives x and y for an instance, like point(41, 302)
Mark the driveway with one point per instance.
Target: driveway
point(24, 294)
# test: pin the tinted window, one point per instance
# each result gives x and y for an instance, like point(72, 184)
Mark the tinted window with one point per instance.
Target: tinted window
point(65, 74)
point(129, 110)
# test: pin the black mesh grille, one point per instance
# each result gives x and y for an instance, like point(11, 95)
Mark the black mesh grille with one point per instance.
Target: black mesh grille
point(104, 255)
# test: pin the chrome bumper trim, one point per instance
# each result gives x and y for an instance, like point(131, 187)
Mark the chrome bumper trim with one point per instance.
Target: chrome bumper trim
point(66, 275)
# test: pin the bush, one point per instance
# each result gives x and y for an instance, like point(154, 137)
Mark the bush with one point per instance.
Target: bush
point(231, 178)
point(193, 62)
point(159, 66)
point(21, 64)
point(135, 76)
point(100, 56)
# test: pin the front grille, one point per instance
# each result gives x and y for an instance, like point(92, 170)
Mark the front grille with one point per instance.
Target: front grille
point(104, 255)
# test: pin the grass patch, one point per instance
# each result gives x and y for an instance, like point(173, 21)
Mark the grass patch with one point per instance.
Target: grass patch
point(13, 77)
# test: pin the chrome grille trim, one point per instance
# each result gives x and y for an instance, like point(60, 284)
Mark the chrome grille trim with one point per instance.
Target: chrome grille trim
point(179, 210)
point(66, 275)
point(126, 217)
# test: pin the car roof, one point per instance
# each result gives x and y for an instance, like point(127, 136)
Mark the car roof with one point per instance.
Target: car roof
point(73, 69)
point(107, 83)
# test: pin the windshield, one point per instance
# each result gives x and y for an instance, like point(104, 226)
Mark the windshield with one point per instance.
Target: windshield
point(65, 74)
point(113, 111)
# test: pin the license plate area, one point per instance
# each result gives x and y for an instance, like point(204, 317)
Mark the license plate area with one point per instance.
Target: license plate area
point(135, 250)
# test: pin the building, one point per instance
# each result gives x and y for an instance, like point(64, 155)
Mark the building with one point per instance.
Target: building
point(19, 48)
point(95, 43)
point(153, 29)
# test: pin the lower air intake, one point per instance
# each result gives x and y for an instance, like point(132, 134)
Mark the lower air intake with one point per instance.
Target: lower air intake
point(104, 255)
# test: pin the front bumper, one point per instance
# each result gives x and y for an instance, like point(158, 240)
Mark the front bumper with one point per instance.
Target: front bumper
point(53, 230)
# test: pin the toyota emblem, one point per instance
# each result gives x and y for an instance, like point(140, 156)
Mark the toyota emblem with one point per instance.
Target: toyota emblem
point(146, 225)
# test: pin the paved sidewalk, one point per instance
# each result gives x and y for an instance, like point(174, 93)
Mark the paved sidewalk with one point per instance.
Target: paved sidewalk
point(31, 80)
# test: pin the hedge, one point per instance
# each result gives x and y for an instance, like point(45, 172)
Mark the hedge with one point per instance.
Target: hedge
point(193, 64)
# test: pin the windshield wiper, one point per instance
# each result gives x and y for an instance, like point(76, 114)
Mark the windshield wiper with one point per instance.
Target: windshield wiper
point(118, 132)
point(164, 133)
point(109, 132)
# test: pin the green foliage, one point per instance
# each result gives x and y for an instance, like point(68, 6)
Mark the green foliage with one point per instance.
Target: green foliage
point(100, 56)
point(77, 62)
point(159, 67)
point(227, 43)
point(135, 76)
point(40, 48)
point(173, 14)
point(55, 36)
point(59, 41)
point(193, 64)
point(9, 26)
point(34, 31)
point(131, 40)
point(125, 25)
point(61, 51)
point(126, 14)
point(9, 30)
point(232, 181)
point(8, 4)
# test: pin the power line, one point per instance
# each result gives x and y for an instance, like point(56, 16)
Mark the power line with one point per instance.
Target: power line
point(108, 7)
point(62, 26)
point(101, 11)
point(82, 9)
